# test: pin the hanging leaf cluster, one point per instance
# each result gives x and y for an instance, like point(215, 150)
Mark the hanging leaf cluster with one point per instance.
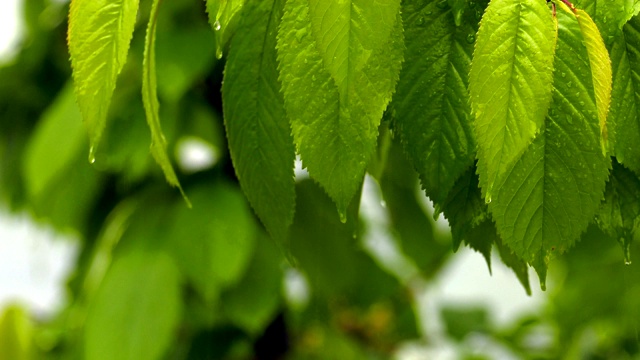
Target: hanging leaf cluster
point(520, 117)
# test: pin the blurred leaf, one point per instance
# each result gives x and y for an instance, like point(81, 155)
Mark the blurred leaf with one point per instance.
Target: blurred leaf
point(184, 57)
point(15, 334)
point(413, 228)
point(213, 242)
point(54, 145)
point(329, 252)
point(136, 310)
point(151, 105)
point(99, 35)
point(461, 321)
point(252, 302)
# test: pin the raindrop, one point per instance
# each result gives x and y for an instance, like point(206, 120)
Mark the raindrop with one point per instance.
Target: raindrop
point(563, 74)
point(471, 38)
point(487, 199)
point(383, 204)
point(217, 26)
point(92, 155)
point(436, 212)
point(343, 217)
point(218, 52)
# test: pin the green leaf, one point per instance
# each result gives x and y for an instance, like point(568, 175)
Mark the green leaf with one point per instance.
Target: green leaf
point(548, 196)
point(257, 126)
point(16, 334)
point(464, 208)
point(412, 227)
point(252, 303)
point(624, 119)
point(339, 64)
point(54, 145)
point(151, 105)
point(510, 83)
point(99, 35)
point(222, 17)
point(619, 215)
point(431, 108)
point(136, 310)
point(519, 267)
point(213, 242)
point(329, 252)
point(600, 69)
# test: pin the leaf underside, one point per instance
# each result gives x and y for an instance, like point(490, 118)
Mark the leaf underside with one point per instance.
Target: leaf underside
point(432, 114)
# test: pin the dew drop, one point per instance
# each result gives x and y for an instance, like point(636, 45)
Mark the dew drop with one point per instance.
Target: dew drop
point(218, 52)
point(383, 204)
point(343, 217)
point(217, 26)
point(487, 198)
point(92, 155)
point(471, 38)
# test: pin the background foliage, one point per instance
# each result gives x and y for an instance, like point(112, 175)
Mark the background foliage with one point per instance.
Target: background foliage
point(157, 279)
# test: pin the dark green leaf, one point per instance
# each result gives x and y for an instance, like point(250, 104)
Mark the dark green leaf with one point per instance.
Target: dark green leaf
point(432, 111)
point(257, 127)
point(619, 215)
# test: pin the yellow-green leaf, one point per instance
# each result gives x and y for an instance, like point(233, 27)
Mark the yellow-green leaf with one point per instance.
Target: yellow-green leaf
point(99, 35)
point(151, 105)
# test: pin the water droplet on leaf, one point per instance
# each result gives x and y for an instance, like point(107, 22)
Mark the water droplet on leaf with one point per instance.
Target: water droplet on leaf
point(217, 26)
point(471, 38)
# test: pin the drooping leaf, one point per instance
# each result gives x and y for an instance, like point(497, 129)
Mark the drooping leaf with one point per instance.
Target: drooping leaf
point(431, 103)
point(151, 105)
point(136, 309)
point(548, 196)
point(619, 215)
point(222, 17)
point(339, 64)
point(99, 35)
point(519, 267)
point(510, 83)
point(257, 126)
point(464, 208)
point(600, 69)
point(624, 118)
point(213, 242)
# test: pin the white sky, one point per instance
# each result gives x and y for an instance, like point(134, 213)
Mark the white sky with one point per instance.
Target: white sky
point(9, 26)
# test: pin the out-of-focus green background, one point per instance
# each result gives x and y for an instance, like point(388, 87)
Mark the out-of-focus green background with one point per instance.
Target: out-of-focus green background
point(104, 260)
